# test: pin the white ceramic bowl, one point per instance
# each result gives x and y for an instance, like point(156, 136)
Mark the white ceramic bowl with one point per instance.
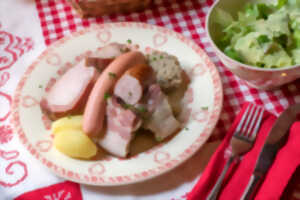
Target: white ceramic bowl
point(256, 77)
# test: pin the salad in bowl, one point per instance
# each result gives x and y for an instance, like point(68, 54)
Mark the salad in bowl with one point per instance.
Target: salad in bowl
point(257, 40)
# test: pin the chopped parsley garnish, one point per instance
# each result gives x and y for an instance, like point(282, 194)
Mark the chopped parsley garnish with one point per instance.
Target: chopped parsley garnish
point(107, 96)
point(186, 129)
point(154, 58)
point(142, 109)
point(112, 75)
point(129, 41)
point(40, 86)
point(126, 105)
point(159, 139)
point(204, 108)
point(161, 57)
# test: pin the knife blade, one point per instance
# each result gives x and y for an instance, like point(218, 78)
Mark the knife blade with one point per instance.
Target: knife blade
point(274, 141)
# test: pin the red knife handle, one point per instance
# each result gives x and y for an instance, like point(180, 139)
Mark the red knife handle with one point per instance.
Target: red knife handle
point(283, 167)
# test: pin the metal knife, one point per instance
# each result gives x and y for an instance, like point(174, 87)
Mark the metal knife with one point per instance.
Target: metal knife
point(273, 143)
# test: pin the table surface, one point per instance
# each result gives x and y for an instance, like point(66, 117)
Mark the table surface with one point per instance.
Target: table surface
point(39, 23)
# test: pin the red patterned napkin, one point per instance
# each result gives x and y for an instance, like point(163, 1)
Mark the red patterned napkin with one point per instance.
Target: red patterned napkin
point(64, 190)
point(242, 171)
point(285, 164)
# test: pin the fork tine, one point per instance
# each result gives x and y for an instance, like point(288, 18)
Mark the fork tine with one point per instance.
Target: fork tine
point(249, 118)
point(253, 120)
point(258, 122)
point(238, 128)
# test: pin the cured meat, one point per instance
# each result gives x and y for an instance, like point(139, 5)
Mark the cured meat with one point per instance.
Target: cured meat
point(161, 121)
point(94, 112)
point(70, 93)
point(102, 58)
point(99, 63)
point(131, 85)
point(121, 124)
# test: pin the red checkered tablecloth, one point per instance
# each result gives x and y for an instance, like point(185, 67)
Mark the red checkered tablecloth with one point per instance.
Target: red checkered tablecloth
point(58, 19)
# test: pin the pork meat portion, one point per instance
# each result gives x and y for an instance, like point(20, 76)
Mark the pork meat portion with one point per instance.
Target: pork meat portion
point(160, 120)
point(70, 93)
point(121, 124)
point(103, 57)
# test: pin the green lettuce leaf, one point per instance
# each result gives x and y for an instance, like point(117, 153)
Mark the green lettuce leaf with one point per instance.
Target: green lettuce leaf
point(222, 18)
point(296, 37)
point(296, 56)
point(281, 3)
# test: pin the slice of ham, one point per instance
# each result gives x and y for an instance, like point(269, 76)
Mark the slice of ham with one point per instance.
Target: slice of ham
point(121, 124)
point(70, 93)
point(131, 85)
point(103, 57)
point(161, 120)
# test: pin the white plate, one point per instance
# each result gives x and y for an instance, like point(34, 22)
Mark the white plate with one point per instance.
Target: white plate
point(205, 91)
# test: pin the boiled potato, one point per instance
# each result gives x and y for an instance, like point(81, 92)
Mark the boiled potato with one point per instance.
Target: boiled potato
point(66, 123)
point(70, 139)
point(75, 143)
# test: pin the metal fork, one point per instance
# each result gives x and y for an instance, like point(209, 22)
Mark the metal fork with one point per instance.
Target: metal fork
point(241, 142)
